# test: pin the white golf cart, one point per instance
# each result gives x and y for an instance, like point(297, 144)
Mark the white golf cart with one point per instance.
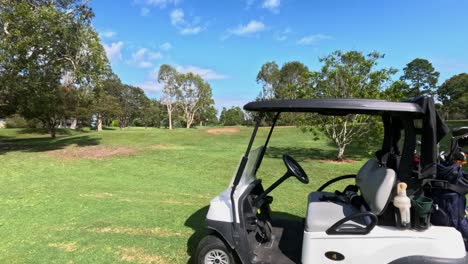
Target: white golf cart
point(336, 229)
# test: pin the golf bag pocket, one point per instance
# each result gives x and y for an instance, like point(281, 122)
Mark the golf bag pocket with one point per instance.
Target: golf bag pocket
point(450, 212)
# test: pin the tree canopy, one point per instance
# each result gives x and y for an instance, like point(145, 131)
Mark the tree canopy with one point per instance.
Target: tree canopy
point(347, 75)
point(421, 77)
point(232, 116)
point(48, 50)
point(454, 95)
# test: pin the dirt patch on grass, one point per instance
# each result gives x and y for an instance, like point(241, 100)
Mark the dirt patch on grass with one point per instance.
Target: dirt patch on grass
point(138, 255)
point(227, 130)
point(156, 231)
point(67, 247)
point(166, 146)
point(174, 202)
point(89, 152)
point(162, 146)
point(345, 161)
point(97, 195)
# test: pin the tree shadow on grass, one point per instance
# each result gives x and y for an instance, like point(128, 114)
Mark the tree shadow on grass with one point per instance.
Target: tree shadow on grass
point(197, 222)
point(292, 225)
point(44, 131)
point(42, 144)
point(304, 153)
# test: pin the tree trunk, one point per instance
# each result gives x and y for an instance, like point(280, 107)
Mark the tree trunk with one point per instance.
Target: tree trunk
point(189, 122)
point(340, 154)
point(52, 130)
point(74, 121)
point(99, 122)
point(169, 113)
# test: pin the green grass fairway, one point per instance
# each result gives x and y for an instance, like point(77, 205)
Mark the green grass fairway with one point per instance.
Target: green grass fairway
point(145, 205)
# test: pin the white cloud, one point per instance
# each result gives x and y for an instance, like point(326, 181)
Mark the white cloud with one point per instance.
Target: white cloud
point(108, 34)
point(165, 46)
point(161, 3)
point(144, 11)
point(154, 55)
point(272, 5)
point(143, 58)
point(177, 17)
point(207, 74)
point(282, 35)
point(252, 27)
point(114, 51)
point(185, 28)
point(312, 39)
point(150, 87)
point(191, 30)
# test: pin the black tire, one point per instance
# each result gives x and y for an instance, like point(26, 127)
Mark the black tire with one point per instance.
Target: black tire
point(212, 250)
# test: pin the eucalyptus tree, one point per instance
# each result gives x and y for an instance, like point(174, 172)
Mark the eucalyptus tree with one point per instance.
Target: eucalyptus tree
point(194, 95)
point(168, 77)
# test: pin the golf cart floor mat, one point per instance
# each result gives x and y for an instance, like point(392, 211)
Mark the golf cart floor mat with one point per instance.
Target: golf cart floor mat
point(286, 244)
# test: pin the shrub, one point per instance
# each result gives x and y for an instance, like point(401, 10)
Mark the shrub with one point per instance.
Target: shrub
point(115, 123)
point(16, 121)
point(34, 123)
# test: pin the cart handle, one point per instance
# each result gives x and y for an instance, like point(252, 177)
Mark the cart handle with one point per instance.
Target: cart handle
point(336, 230)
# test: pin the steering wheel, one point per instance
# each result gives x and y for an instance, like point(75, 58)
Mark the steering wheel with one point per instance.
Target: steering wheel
point(295, 169)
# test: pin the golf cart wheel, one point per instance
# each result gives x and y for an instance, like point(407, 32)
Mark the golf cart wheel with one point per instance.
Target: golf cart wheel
point(213, 250)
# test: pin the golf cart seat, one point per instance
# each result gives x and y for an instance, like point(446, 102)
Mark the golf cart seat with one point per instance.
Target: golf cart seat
point(326, 209)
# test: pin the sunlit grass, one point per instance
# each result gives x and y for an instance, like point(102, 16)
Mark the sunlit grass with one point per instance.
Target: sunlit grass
point(143, 205)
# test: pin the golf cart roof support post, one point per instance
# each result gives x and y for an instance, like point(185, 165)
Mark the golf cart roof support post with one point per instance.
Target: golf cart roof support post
point(387, 140)
point(405, 171)
point(267, 140)
point(240, 171)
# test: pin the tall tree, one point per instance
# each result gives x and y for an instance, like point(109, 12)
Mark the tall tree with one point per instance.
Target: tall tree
point(269, 77)
point(286, 83)
point(208, 116)
point(347, 75)
point(194, 96)
point(397, 91)
point(294, 78)
point(105, 99)
point(168, 76)
point(130, 102)
point(421, 77)
point(454, 96)
point(232, 116)
point(152, 114)
point(47, 49)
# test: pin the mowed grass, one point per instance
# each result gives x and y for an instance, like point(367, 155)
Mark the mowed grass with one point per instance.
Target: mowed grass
point(66, 201)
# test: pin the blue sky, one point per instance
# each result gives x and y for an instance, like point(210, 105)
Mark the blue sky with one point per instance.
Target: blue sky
point(227, 41)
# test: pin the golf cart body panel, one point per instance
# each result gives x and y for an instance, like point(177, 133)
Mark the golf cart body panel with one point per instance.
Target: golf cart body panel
point(220, 206)
point(241, 215)
point(384, 244)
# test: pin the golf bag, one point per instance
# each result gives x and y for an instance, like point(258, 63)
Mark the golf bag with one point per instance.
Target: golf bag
point(448, 192)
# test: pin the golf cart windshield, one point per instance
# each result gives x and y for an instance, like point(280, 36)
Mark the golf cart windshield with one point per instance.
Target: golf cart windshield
point(399, 118)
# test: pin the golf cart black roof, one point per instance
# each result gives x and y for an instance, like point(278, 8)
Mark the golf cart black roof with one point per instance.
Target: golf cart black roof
point(332, 106)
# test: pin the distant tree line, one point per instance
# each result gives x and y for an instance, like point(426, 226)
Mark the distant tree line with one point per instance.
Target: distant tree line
point(353, 74)
point(54, 72)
